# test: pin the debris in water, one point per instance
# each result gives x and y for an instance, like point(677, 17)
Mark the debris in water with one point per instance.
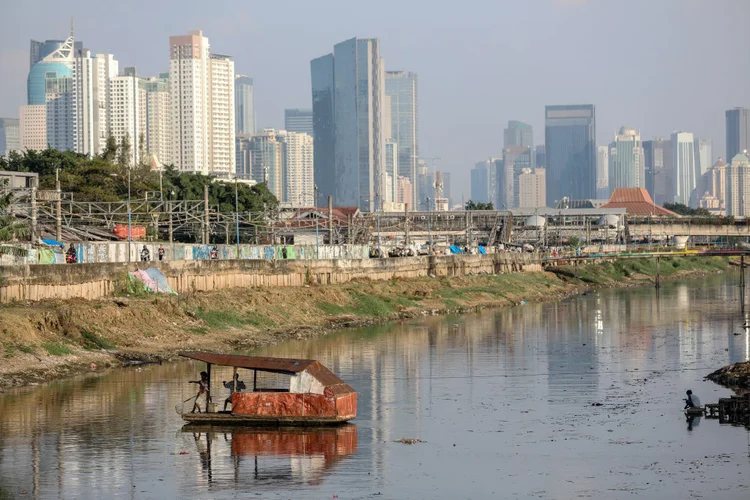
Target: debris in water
point(409, 441)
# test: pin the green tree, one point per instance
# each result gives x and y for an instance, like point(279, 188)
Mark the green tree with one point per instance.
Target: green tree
point(143, 159)
point(682, 209)
point(10, 228)
point(110, 149)
point(473, 205)
point(126, 149)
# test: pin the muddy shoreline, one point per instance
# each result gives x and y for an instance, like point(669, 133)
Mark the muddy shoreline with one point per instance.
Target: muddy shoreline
point(48, 341)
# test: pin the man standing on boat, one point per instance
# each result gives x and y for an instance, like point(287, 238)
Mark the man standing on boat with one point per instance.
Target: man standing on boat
point(203, 385)
point(235, 385)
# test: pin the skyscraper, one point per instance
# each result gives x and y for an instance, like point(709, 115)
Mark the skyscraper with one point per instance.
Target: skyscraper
point(391, 173)
point(244, 105)
point(626, 162)
point(518, 134)
point(570, 137)
point(267, 161)
point(50, 84)
point(480, 182)
point(685, 167)
point(516, 160)
point(447, 193)
point(738, 186)
point(738, 131)
point(299, 120)
point(704, 154)
point(201, 92)
point(10, 136)
point(540, 156)
point(348, 95)
point(401, 88)
point(659, 170)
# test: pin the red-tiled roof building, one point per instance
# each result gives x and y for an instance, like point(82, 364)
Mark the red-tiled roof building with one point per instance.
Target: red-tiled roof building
point(636, 201)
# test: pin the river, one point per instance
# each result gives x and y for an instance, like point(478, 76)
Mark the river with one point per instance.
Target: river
point(576, 399)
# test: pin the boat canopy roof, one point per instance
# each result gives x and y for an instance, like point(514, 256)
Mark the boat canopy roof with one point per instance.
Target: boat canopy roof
point(276, 365)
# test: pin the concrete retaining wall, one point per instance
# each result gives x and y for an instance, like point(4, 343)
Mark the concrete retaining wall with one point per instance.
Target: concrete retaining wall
point(94, 281)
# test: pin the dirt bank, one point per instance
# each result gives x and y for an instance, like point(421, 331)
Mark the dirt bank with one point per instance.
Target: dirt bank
point(736, 376)
point(49, 340)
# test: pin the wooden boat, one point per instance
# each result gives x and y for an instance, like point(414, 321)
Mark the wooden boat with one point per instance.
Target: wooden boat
point(694, 412)
point(311, 395)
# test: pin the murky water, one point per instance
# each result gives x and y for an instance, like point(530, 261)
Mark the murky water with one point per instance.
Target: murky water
point(504, 402)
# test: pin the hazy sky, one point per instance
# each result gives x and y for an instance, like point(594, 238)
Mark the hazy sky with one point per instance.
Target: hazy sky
point(658, 65)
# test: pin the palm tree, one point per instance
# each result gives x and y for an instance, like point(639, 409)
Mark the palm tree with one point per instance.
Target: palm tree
point(10, 228)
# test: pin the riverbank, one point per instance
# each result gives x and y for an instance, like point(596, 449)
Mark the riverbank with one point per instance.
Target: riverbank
point(54, 339)
point(735, 376)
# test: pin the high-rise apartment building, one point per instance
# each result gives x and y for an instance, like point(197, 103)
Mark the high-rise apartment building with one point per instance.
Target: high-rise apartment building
point(201, 89)
point(405, 192)
point(570, 140)
point(737, 131)
point(188, 94)
point(125, 112)
point(518, 134)
point(243, 157)
point(532, 187)
point(425, 187)
point(244, 105)
point(738, 187)
point(266, 155)
point(297, 168)
point(516, 160)
point(685, 167)
point(348, 97)
point(626, 161)
point(221, 154)
point(401, 88)
point(83, 103)
point(10, 136)
point(299, 120)
point(33, 127)
point(659, 170)
point(157, 117)
point(712, 188)
point(602, 172)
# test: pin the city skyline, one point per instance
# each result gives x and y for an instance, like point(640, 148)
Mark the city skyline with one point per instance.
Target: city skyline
point(282, 77)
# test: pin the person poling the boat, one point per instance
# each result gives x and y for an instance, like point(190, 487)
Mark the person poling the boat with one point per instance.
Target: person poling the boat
point(235, 385)
point(692, 400)
point(203, 389)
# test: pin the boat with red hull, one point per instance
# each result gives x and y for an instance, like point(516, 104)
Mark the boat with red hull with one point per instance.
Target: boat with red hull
point(308, 393)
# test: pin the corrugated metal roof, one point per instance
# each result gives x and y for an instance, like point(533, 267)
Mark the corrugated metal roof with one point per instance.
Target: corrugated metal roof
point(276, 365)
point(636, 201)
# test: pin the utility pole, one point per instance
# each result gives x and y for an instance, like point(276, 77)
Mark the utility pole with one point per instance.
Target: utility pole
point(406, 224)
point(236, 216)
point(330, 220)
point(34, 235)
point(206, 229)
point(58, 207)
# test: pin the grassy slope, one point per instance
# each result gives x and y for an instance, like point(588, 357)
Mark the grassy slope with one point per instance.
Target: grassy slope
point(39, 340)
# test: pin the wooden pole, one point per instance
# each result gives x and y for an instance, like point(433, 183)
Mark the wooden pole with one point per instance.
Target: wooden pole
point(58, 209)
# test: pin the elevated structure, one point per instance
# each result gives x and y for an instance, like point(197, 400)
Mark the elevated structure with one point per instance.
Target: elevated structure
point(636, 201)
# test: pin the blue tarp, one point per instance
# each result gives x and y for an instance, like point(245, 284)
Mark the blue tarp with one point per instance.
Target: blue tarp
point(482, 251)
point(455, 249)
point(160, 281)
point(52, 243)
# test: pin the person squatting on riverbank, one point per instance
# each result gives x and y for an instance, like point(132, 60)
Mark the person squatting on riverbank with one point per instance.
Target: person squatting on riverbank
point(203, 388)
point(692, 401)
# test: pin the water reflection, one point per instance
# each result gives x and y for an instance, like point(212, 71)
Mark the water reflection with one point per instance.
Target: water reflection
point(568, 399)
point(268, 457)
